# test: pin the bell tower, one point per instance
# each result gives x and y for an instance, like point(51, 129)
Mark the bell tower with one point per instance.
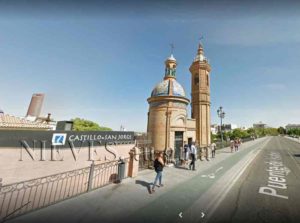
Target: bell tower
point(200, 69)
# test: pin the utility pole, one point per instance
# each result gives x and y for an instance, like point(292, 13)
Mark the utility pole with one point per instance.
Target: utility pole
point(221, 115)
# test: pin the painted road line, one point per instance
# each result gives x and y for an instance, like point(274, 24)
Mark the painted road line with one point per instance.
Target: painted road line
point(219, 169)
point(212, 175)
point(217, 192)
point(212, 206)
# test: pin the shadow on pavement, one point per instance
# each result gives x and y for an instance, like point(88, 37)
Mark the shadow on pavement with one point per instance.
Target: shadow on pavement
point(144, 184)
point(182, 167)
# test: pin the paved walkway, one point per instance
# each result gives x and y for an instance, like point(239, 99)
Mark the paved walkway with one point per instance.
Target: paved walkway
point(120, 201)
point(294, 139)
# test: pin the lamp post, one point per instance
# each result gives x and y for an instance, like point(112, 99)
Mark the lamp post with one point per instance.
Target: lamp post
point(221, 115)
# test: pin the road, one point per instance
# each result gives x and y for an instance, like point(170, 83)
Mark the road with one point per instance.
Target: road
point(244, 203)
point(259, 183)
point(229, 190)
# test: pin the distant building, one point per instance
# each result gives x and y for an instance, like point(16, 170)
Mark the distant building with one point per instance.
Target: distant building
point(35, 106)
point(225, 128)
point(259, 125)
point(292, 126)
point(229, 127)
point(64, 125)
point(214, 129)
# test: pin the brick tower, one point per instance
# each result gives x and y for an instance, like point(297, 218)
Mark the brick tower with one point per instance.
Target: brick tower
point(200, 69)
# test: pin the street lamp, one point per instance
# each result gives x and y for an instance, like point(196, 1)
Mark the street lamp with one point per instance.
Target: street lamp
point(221, 115)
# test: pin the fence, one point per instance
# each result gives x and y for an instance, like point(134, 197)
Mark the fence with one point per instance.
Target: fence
point(227, 143)
point(147, 157)
point(22, 197)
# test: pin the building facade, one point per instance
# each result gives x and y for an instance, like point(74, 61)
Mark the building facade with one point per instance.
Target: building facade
point(168, 123)
point(259, 125)
point(292, 126)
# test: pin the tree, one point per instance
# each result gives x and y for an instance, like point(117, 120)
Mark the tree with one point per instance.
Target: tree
point(87, 125)
point(271, 131)
point(239, 133)
point(281, 130)
point(293, 132)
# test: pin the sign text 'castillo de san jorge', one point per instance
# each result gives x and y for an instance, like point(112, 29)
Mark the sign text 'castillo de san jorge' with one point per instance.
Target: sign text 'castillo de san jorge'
point(57, 142)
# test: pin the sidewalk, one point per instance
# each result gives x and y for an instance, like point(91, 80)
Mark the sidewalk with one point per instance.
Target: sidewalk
point(293, 139)
point(109, 203)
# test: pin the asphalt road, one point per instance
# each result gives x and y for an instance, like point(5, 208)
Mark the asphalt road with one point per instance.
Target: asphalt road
point(268, 190)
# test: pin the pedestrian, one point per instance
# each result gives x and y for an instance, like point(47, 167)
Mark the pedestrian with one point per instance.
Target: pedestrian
point(231, 145)
point(213, 150)
point(239, 142)
point(158, 167)
point(193, 152)
point(186, 149)
point(236, 145)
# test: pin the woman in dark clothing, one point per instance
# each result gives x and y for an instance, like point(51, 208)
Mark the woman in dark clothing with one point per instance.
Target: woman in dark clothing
point(158, 166)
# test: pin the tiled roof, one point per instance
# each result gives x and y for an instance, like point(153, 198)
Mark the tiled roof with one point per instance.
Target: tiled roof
point(8, 121)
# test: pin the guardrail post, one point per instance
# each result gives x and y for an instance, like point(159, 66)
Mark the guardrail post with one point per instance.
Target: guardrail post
point(91, 175)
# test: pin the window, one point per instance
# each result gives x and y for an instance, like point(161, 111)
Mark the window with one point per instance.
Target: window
point(207, 79)
point(196, 80)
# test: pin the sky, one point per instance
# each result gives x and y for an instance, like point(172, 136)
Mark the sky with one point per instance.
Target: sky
point(100, 60)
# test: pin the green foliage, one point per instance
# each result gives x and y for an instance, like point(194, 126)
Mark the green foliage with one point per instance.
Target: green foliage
point(86, 125)
point(251, 132)
point(281, 130)
point(271, 131)
point(293, 132)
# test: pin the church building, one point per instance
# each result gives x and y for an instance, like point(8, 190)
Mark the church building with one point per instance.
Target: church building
point(168, 122)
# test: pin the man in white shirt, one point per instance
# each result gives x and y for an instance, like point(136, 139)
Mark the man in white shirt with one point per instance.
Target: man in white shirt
point(193, 152)
point(213, 150)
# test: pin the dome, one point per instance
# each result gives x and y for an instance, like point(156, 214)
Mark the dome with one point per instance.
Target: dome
point(163, 89)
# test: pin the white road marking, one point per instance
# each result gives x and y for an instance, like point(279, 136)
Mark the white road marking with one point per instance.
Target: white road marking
point(212, 175)
point(202, 215)
point(219, 169)
point(222, 193)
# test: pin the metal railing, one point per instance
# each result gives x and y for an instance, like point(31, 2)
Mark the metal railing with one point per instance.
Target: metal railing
point(147, 157)
point(22, 197)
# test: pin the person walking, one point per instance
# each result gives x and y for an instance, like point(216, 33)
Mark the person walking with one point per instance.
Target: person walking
point(186, 149)
point(158, 167)
point(231, 145)
point(236, 145)
point(193, 152)
point(239, 143)
point(213, 150)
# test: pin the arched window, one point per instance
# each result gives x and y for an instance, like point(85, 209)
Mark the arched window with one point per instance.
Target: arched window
point(207, 79)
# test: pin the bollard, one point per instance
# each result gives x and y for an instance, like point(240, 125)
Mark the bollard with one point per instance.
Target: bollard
point(121, 170)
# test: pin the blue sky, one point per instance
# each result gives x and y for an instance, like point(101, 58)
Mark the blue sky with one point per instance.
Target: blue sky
point(101, 63)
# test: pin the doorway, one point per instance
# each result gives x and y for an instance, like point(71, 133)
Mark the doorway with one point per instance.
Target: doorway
point(178, 146)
